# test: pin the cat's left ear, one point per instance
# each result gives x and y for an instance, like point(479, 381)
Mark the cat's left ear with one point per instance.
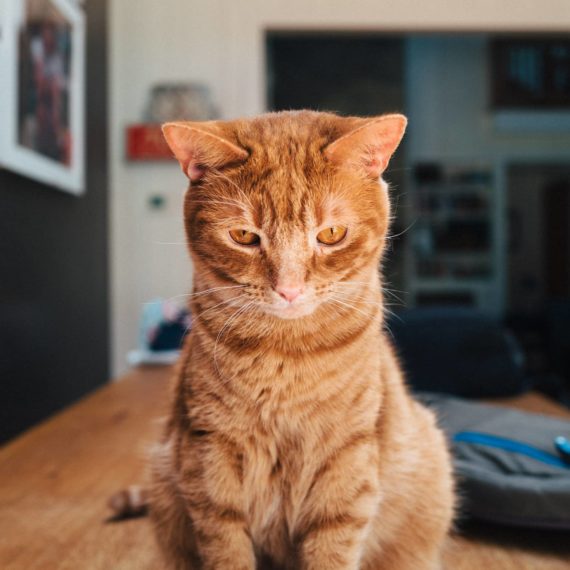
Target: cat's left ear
point(368, 147)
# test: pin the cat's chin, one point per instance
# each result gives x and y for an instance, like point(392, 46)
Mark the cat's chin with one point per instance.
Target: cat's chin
point(291, 312)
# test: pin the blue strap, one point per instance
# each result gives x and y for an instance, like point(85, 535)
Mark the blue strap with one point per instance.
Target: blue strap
point(510, 445)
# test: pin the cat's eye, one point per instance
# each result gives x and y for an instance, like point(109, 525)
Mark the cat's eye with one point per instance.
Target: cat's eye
point(332, 235)
point(243, 237)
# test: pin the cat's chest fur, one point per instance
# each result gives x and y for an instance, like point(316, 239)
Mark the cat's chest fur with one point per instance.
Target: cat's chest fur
point(290, 434)
point(285, 415)
point(277, 474)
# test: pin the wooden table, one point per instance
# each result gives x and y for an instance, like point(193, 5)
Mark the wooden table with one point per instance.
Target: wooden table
point(56, 478)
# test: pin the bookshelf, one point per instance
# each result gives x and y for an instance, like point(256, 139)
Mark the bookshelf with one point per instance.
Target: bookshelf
point(453, 247)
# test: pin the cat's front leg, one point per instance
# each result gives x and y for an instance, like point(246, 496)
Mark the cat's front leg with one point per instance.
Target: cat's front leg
point(343, 500)
point(214, 501)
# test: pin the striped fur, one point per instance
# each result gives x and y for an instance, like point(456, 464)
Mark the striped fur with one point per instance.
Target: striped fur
point(293, 442)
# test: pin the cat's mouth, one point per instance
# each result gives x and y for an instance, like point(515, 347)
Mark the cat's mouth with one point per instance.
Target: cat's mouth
point(295, 311)
point(291, 310)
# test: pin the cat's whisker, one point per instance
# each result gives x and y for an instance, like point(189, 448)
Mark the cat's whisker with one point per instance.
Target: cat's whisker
point(328, 305)
point(197, 294)
point(382, 305)
point(355, 284)
point(392, 289)
point(336, 300)
point(368, 301)
point(353, 308)
point(354, 292)
point(350, 284)
point(364, 300)
point(353, 287)
point(393, 314)
point(404, 169)
point(195, 318)
point(403, 231)
point(215, 289)
point(387, 327)
point(399, 303)
point(367, 282)
point(393, 295)
point(387, 291)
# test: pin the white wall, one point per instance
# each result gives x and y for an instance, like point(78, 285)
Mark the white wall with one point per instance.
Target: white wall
point(152, 42)
point(220, 42)
point(448, 105)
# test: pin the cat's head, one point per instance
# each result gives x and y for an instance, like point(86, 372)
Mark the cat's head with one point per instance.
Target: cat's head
point(289, 205)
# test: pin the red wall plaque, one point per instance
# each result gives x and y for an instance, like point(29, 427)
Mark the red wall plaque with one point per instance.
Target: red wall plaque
point(145, 142)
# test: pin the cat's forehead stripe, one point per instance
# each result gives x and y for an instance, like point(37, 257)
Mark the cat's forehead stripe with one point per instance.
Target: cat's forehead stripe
point(286, 166)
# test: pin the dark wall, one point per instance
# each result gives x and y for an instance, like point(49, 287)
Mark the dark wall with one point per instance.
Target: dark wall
point(54, 294)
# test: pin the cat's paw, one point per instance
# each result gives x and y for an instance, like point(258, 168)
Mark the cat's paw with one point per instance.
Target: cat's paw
point(129, 502)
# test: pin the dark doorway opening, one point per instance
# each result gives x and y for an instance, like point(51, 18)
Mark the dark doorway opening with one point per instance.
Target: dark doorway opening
point(539, 264)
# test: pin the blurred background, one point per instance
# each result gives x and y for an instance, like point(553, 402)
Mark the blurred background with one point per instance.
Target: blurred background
point(479, 256)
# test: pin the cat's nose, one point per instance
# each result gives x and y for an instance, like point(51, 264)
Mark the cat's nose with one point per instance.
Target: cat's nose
point(289, 292)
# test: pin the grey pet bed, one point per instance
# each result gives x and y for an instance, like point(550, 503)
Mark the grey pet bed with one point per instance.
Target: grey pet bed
point(512, 467)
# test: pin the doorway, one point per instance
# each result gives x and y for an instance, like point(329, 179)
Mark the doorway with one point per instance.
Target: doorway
point(538, 273)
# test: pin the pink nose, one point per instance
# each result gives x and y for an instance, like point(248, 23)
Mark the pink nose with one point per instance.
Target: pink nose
point(289, 292)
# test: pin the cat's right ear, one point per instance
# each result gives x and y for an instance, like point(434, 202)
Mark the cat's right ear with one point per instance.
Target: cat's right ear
point(201, 146)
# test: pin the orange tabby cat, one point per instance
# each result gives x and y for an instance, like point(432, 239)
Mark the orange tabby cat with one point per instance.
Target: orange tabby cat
point(292, 441)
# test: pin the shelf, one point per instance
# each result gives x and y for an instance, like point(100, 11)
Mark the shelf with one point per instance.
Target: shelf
point(455, 210)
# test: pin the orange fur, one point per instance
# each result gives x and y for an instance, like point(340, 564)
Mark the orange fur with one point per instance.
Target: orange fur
point(293, 441)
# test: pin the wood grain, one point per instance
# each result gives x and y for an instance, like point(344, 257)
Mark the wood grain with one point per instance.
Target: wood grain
point(55, 481)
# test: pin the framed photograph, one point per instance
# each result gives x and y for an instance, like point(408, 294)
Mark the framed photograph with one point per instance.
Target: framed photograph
point(42, 68)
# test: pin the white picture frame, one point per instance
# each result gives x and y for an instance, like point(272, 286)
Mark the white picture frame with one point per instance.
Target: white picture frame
point(42, 91)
